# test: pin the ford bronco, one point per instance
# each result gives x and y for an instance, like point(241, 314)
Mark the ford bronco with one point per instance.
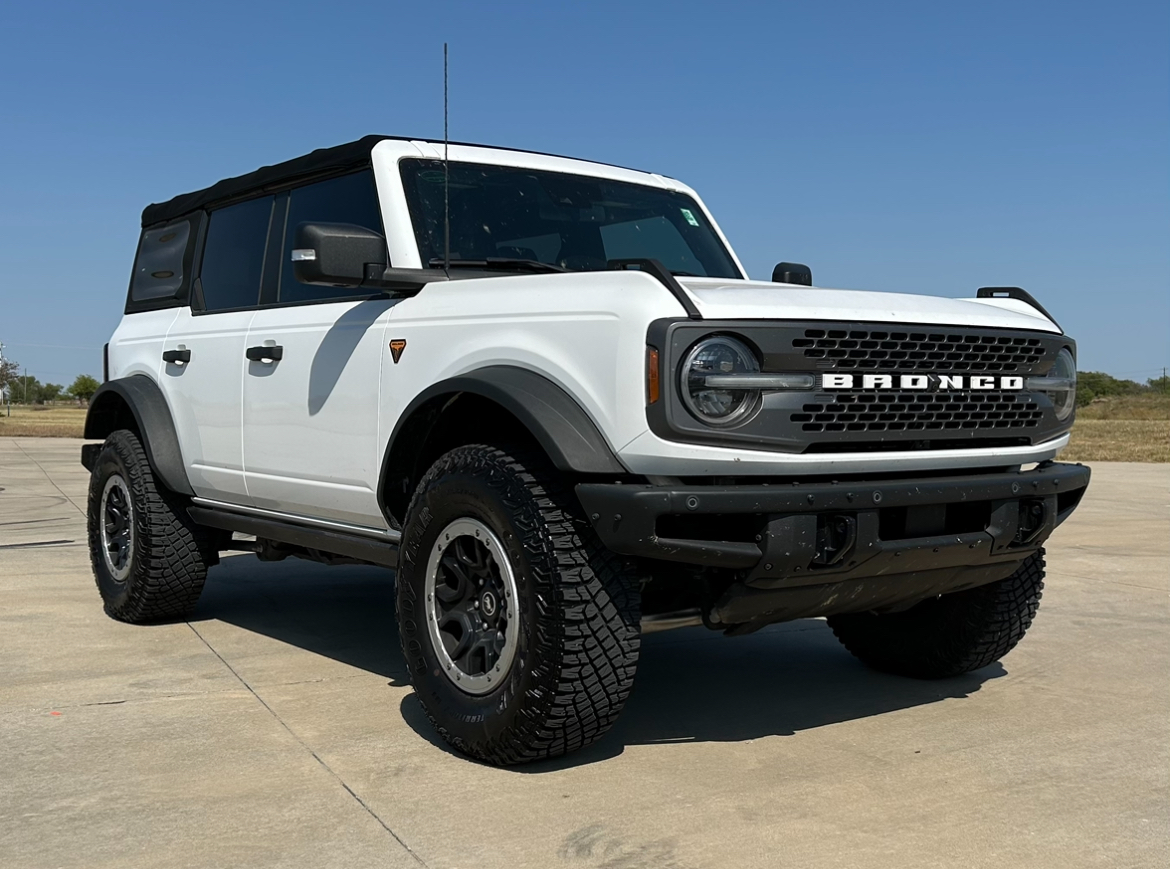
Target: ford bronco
point(546, 393)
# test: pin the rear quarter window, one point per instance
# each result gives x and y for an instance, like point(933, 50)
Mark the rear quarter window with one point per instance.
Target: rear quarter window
point(162, 265)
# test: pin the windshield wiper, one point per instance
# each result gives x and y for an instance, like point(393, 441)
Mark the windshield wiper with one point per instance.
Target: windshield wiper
point(502, 263)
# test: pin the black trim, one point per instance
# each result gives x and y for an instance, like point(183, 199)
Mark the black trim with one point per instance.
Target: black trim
point(626, 517)
point(151, 416)
point(89, 455)
point(337, 542)
point(1015, 293)
point(566, 433)
point(656, 269)
point(273, 251)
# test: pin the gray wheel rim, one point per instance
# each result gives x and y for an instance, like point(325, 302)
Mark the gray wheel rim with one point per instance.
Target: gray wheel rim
point(116, 515)
point(471, 608)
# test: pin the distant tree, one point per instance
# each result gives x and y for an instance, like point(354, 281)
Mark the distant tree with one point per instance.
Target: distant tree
point(9, 373)
point(47, 392)
point(84, 387)
point(1159, 384)
point(1097, 384)
point(25, 389)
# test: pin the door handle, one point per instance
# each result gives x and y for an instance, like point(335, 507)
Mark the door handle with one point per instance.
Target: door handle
point(177, 357)
point(271, 353)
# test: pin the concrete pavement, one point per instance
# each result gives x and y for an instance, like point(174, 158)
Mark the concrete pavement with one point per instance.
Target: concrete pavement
point(277, 729)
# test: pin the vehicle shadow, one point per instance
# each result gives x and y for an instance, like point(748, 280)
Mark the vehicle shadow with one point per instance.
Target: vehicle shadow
point(693, 685)
point(337, 347)
point(343, 612)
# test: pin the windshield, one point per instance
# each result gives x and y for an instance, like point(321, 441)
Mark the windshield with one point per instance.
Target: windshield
point(573, 222)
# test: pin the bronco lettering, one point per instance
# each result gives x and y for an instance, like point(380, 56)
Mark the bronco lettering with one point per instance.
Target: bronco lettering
point(922, 382)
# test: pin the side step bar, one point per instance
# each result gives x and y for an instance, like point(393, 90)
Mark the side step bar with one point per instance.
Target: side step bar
point(336, 542)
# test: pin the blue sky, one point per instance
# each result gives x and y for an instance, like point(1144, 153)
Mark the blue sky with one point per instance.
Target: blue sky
point(926, 147)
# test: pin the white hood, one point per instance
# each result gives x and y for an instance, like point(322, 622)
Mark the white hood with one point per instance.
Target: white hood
point(720, 299)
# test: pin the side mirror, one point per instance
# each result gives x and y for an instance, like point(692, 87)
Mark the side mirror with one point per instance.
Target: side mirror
point(792, 273)
point(338, 254)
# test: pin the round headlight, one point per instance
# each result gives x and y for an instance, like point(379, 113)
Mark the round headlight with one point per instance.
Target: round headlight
point(1064, 398)
point(722, 405)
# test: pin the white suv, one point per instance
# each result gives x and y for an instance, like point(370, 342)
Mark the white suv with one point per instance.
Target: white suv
point(545, 392)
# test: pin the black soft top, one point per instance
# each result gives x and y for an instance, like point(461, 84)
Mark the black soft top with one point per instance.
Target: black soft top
point(322, 162)
point(318, 164)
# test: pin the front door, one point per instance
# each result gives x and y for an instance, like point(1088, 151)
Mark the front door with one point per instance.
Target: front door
point(310, 418)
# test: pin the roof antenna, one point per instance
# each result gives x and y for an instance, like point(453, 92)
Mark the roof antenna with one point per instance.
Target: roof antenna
point(446, 178)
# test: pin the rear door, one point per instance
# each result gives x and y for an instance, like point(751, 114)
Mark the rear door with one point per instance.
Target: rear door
point(202, 382)
point(311, 415)
point(159, 286)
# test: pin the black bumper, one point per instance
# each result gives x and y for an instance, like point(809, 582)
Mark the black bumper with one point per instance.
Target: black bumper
point(786, 535)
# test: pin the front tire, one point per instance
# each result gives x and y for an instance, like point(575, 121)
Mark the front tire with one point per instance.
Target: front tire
point(149, 558)
point(520, 630)
point(950, 634)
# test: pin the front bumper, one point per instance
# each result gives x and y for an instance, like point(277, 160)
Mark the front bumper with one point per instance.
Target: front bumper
point(906, 538)
point(650, 454)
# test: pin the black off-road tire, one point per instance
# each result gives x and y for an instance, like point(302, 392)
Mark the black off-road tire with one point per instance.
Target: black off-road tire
point(951, 634)
point(168, 555)
point(578, 606)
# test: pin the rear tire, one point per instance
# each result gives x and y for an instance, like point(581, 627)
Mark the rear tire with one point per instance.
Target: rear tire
point(149, 557)
point(951, 634)
point(520, 630)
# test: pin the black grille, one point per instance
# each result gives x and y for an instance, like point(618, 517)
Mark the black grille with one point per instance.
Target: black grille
point(920, 411)
point(934, 351)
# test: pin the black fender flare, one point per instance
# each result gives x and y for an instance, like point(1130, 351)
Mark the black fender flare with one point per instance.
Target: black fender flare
point(152, 418)
point(565, 432)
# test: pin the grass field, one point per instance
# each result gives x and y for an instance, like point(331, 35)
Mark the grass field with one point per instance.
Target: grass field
point(1126, 429)
point(1130, 428)
point(1119, 440)
point(42, 422)
point(1150, 405)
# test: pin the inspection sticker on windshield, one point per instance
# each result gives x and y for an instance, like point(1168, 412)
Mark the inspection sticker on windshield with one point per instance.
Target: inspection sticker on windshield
point(686, 212)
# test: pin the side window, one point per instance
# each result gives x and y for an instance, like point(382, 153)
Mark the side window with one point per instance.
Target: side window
point(233, 256)
point(348, 199)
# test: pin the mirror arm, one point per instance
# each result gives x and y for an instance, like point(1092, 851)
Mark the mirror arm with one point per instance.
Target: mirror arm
point(407, 281)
